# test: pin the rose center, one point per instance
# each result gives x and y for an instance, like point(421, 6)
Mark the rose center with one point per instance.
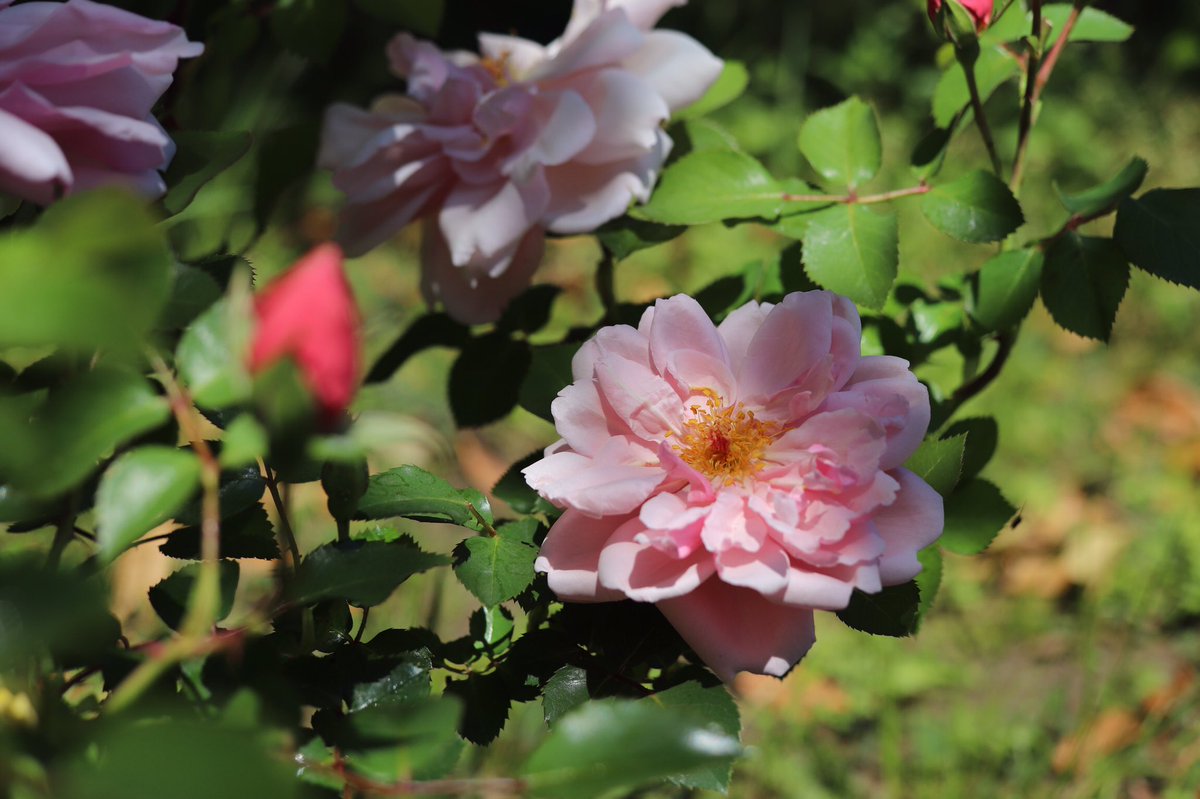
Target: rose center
point(497, 68)
point(724, 442)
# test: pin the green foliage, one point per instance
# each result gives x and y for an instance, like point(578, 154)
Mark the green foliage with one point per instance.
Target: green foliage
point(1006, 288)
point(728, 87)
point(977, 208)
point(853, 250)
point(363, 573)
point(975, 514)
point(712, 185)
point(416, 494)
point(939, 462)
point(200, 156)
point(212, 354)
point(170, 597)
point(1083, 281)
point(140, 490)
point(549, 373)
point(1107, 194)
point(893, 611)
point(842, 143)
point(1158, 233)
point(498, 567)
point(486, 379)
point(245, 534)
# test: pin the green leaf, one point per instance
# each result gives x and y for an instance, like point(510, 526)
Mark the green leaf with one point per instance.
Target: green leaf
point(1007, 287)
point(549, 373)
point(1160, 233)
point(892, 611)
point(975, 514)
point(414, 493)
point(239, 489)
point(1108, 193)
point(530, 311)
point(192, 292)
point(608, 745)
point(344, 483)
point(853, 250)
point(486, 379)
point(976, 208)
point(936, 320)
point(52, 447)
point(48, 609)
point(200, 156)
point(211, 356)
point(430, 330)
point(513, 489)
point(729, 86)
point(982, 436)
point(246, 534)
point(938, 461)
point(486, 699)
point(169, 598)
point(712, 185)
point(422, 17)
point(139, 491)
point(715, 708)
point(363, 573)
point(285, 156)
point(930, 153)
point(408, 681)
point(842, 143)
point(1093, 25)
point(566, 690)
point(93, 273)
point(625, 235)
point(992, 69)
point(1083, 282)
point(244, 442)
point(310, 28)
point(496, 568)
point(929, 580)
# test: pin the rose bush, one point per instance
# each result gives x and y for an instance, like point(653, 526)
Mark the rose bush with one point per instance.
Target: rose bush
point(77, 84)
point(739, 475)
point(494, 151)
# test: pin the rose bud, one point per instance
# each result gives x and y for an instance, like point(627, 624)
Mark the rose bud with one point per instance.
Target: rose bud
point(946, 18)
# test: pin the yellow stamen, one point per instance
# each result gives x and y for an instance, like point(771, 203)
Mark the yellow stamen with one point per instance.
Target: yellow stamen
point(724, 442)
point(497, 68)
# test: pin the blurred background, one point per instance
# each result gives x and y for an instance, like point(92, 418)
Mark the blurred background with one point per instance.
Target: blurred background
point(1062, 662)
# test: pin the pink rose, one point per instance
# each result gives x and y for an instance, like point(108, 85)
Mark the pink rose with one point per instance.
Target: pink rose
point(980, 11)
point(77, 82)
point(308, 314)
point(739, 476)
point(495, 151)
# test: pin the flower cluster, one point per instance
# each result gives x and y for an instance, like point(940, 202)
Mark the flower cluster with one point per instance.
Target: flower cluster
point(739, 476)
point(77, 83)
point(496, 150)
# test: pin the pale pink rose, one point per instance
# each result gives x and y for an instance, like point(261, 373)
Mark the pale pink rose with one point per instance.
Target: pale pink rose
point(77, 82)
point(495, 151)
point(739, 476)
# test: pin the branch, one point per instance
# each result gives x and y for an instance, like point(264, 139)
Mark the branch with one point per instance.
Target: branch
point(854, 199)
point(967, 61)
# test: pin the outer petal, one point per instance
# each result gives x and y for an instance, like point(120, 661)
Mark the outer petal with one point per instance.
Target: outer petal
point(483, 224)
point(645, 13)
point(678, 67)
point(570, 557)
point(681, 324)
point(610, 484)
point(628, 115)
point(31, 163)
point(474, 296)
point(643, 572)
point(608, 39)
point(736, 629)
point(908, 525)
point(792, 339)
point(883, 387)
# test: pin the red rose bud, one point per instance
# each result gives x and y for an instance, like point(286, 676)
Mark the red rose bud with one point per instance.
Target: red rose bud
point(308, 314)
point(979, 11)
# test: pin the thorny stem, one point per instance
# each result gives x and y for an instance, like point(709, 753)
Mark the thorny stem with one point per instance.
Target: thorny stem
point(854, 199)
point(1035, 86)
point(195, 636)
point(357, 785)
point(285, 526)
point(985, 130)
point(483, 522)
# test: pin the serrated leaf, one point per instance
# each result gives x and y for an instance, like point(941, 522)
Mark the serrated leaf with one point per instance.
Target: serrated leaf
point(169, 598)
point(976, 208)
point(513, 489)
point(486, 379)
point(892, 611)
point(549, 373)
point(530, 311)
point(625, 235)
point(842, 143)
point(498, 567)
point(1160, 233)
point(486, 700)
point(363, 573)
point(139, 491)
point(715, 708)
point(211, 356)
point(1007, 287)
point(193, 291)
point(199, 157)
point(566, 690)
point(1107, 194)
point(406, 682)
point(1093, 25)
point(982, 435)
point(992, 69)
point(246, 534)
point(729, 86)
point(928, 581)
point(711, 185)
point(239, 489)
point(414, 493)
point(938, 461)
point(1083, 282)
point(975, 514)
point(853, 250)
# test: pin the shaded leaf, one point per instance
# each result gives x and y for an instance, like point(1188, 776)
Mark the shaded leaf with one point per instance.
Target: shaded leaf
point(486, 379)
point(430, 330)
point(246, 534)
point(1160, 233)
point(1083, 282)
point(549, 373)
point(982, 435)
point(169, 598)
point(139, 491)
point(892, 611)
point(363, 573)
point(939, 461)
point(199, 157)
point(625, 235)
point(975, 514)
point(976, 208)
point(414, 493)
point(311, 28)
point(714, 707)
point(928, 581)
point(566, 690)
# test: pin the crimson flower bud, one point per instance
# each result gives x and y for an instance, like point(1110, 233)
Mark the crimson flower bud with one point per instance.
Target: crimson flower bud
point(980, 12)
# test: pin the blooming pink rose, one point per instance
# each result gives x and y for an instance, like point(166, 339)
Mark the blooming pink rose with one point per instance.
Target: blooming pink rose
point(77, 82)
point(309, 314)
point(495, 151)
point(980, 11)
point(739, 476)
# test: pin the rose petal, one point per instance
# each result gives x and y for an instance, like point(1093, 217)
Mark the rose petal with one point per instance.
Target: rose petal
point(645, 573)
point(911, 523)
point(676, 66)
point(475, 296)
point(570, 557)
point(883, 387)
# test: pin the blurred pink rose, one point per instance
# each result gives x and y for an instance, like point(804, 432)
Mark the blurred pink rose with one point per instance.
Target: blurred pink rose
point(495, 151)
point(980, 11)
point(739, 476)
point(77, 82)
point(308, 314)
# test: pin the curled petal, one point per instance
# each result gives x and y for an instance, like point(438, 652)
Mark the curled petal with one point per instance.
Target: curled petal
point(680, 324)
point(570, 557)
point(883, 387)
point(908, 525)
point(644, 572)
point(613, 482)
point(31, 163)
point(678, 67)
point(476, 296)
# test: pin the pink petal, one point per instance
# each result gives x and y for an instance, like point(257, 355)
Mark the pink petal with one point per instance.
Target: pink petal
point(645, 573)
point(579, 417)
point(765, 570)
point(808, 588)
point(645, 13)
point(483, 224)
point(517, 54)
point(628, 115)
point(678, 67)
point(793, 338)
point(669, 511)
point(739, 327)
point(736, 629)
point(639, 397)
point(31, 163)
point(607, 40)
point(726, 526)
point(570, 557)
point(843, 447)
point(680, 324)
point(474, 296)
point(908, 525)
point(883, 387)
point(611, 483)
point(617, 340)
